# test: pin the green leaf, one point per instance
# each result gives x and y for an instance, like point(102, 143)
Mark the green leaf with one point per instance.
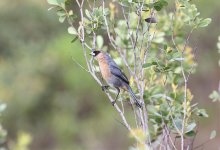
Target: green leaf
point(51, 8)
point(190, 127)
point(164, 3)
point(100, 41)
point(160, 4)
point(165, 47)
point(60, 3)
point(190, 134)
point(147, 65)
point(70, 13)
point(218, 45)
point(178, 123)
point(204, 22)
point(157, 7)
point(176, 59)
point(62, 19)
point(152, 110)
point(74, 39)
point(87, 13)
point(72, 30)
point(212, 135)
point(202, 113)
point(2, 107)
point(154, 63)
point(215, 96)
point(61, 13)
point(53, 2)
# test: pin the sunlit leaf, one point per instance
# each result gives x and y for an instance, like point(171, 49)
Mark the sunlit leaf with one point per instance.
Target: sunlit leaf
point(215, 96)
point(190, 127)
point(62, 19)
point(61, 13)
point(212, 135)
point(53, 2)
point(72, 30)
point(87, 13)
point(205, 22)
point(2, 107)
point(202, 113)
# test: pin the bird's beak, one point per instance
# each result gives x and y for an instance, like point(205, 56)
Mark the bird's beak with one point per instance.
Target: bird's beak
point(92, 54)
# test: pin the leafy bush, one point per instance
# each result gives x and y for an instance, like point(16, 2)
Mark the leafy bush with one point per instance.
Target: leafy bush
point(151, 40)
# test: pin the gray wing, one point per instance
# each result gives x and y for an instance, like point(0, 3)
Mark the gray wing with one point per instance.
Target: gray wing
point(115, 70)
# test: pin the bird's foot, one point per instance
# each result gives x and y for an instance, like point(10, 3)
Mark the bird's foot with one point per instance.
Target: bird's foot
point(138, 104)
point(113, 103)
point(105, 87)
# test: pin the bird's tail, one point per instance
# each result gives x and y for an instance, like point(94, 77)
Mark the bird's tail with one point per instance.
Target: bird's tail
point(134, 97)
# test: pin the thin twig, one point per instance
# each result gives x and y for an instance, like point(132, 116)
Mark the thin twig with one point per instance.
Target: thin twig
point(80, 65)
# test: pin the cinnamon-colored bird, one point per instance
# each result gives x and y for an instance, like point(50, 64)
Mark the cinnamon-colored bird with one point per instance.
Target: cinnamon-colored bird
point(113, 75)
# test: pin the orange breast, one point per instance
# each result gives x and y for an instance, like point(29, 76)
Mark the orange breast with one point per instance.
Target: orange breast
point(105, 71)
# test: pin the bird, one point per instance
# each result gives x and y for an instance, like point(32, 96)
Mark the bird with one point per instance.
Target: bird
point(113, 75)
point(151, 20)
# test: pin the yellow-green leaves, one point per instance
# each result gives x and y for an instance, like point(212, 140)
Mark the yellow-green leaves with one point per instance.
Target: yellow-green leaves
point(23, 142)
point(191, 16)
point(94, 19)
point(138, 133)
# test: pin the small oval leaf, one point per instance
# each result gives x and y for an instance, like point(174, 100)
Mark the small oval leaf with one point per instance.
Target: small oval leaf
point(212, 135)
point(72, 30)
point(205, 22)
point(53, 2)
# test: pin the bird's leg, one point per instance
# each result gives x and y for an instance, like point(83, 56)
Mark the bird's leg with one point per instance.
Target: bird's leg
point(105, 87)
point(118, 90)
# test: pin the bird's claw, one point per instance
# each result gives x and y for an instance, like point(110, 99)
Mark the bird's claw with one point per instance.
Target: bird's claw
point(105, 87)
point(138, 104)
point(113, 103)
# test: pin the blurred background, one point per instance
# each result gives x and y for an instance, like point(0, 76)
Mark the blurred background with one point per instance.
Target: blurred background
point(53, 104)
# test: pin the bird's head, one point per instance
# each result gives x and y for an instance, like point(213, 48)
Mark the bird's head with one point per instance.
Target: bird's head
point(99, 55)
point(95, 53)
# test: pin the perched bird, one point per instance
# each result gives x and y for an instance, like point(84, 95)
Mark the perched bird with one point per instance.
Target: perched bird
point(113, 75)
point(151, 20)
